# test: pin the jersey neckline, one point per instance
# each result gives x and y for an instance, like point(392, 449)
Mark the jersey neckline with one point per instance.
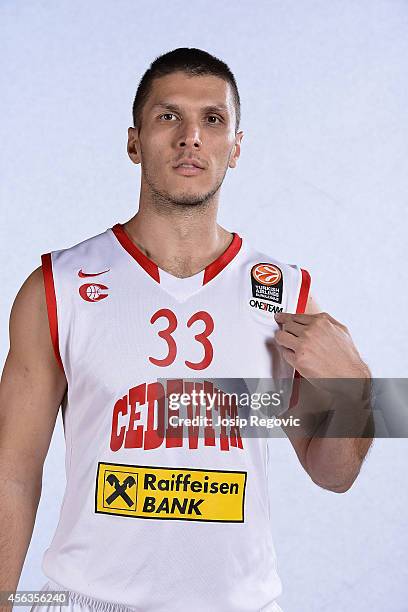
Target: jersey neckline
point(159, 275)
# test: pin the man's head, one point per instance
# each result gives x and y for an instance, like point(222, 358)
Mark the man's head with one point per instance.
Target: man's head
point(187, 107)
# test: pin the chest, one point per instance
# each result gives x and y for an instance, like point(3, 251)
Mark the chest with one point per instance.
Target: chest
point(137, 329)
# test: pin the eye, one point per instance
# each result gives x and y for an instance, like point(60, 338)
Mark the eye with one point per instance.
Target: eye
point(167, 115)
point(214, 117)
point(217, 119)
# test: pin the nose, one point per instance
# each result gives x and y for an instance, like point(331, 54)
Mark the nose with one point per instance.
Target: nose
point(190, 136)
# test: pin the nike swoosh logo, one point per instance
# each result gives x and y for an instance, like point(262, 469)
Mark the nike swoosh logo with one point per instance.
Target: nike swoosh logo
point(85, 274)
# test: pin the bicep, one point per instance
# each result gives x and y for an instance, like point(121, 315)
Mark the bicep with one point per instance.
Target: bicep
point(32, 384)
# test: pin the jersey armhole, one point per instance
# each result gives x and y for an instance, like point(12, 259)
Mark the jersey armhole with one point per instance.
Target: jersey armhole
point(46, 264)
point(300, 309)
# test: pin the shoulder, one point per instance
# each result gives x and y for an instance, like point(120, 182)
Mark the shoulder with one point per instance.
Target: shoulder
point(29, 327)
point(30, 297)
point(91, 250)
point(274, 280)
point(264, 263)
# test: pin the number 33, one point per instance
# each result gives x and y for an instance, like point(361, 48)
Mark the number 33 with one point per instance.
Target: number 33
point(202, 337)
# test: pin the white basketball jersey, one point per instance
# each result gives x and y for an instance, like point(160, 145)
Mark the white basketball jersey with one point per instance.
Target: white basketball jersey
point(161, 514)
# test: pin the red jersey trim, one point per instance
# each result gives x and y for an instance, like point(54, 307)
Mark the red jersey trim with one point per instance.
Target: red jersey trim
point(304, 292)
point(152, 269)
point(223, 260)
point(300, 309)
point(46, 264)
point(142, 259)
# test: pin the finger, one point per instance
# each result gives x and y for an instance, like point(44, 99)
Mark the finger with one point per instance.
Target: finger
point(287, 340)
point(293, 328)
point(332, 319)
point(288, 355)
point(285, 317)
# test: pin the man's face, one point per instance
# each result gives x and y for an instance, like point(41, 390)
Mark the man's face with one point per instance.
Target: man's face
point(191, 118)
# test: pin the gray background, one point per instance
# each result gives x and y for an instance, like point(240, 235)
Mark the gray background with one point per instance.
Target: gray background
point(322, 182)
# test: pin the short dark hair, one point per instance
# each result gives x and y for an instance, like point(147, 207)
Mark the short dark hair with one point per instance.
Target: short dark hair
point(194, 62)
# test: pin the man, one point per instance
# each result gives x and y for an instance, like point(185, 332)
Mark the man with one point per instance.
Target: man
point(161, 513)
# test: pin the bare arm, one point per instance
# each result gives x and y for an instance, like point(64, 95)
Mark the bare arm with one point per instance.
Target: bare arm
point(332, 463)
point(310, 418)
point(31, 390)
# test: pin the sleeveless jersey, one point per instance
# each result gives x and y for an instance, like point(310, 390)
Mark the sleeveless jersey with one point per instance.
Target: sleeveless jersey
point(163, 514)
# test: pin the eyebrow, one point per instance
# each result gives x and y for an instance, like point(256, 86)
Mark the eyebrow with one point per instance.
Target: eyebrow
point(212, 108)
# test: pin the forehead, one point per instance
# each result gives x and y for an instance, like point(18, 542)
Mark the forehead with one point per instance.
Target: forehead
point(186, 90)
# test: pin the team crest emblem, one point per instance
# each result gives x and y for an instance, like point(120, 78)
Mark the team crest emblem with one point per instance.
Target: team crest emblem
point(91, 292)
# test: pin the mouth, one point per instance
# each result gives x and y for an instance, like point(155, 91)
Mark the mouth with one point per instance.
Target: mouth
point(189, 166)
point(188, 170)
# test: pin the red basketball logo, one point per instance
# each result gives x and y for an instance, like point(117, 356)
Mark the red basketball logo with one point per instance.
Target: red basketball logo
point(267, 274)
point(92, 292)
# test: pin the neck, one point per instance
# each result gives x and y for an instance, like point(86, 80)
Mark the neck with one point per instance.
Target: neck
point(181, 241)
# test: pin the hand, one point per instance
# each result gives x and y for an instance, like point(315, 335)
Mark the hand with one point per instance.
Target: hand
point(319, 347)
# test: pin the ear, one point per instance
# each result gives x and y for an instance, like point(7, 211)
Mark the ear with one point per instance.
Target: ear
point(236, 151)
point(133, 145)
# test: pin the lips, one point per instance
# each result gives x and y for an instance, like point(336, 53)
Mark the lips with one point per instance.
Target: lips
point(188, 163)
point(188, 170)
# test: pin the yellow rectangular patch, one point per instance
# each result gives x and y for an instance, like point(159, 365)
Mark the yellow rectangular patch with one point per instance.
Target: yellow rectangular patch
point(170, 493)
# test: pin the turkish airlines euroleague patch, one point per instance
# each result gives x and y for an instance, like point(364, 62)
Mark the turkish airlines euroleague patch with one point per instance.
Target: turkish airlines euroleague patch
point(170, 493)
point(267, 282)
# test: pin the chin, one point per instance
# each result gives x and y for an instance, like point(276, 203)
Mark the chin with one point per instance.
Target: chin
point(188, 199)
point(188, 195)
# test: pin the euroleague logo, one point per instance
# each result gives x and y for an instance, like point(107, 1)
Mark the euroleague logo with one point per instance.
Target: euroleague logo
point(267, 285)
point(267, 274)
point(92, 292)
